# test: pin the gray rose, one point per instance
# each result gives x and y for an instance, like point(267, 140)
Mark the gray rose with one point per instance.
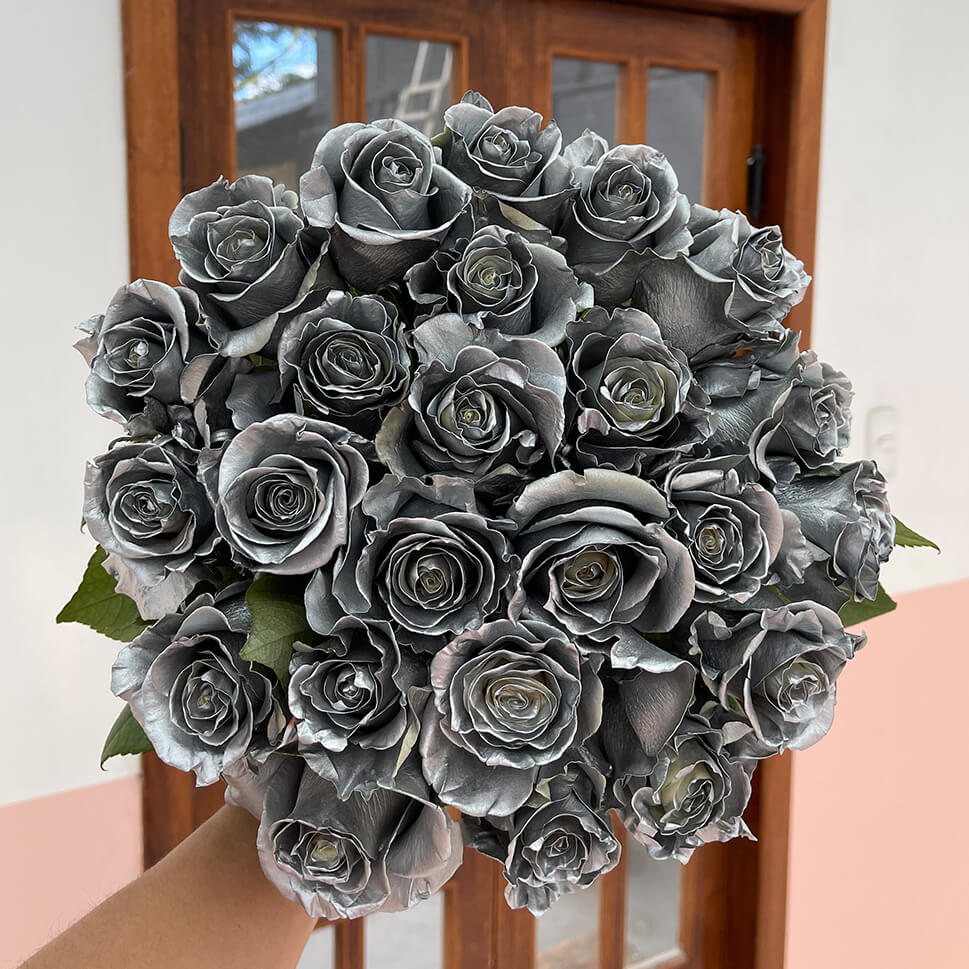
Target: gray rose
point(693, 310)
point(747, 421)
point(347, 858)
point(284, 490)
point(508, 156)
point(381, 189)
point(643, 708)
point(206, 387)
point(144, 507)
point(816, 418)
point(137, 350)
point(778, 668)
point(732, 526)
point(560, 846)
point(767, 279)
point(748, 372)
point(845, 515)
point(345, 360)
point(348, 695)
point(727, 296)
point(735, 368)
point(692, 794)
point(595, 553)
point(202, 707)
point(481, 405)
point(248, 254)
point(500, 280)
point(430, 564)
point(628, 210)
point(637, 405)
point(587, 149)
point(508, 698)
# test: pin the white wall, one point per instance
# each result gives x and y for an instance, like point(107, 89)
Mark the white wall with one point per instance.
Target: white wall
point(63, 252)
point(865, 889)
point(891, 308)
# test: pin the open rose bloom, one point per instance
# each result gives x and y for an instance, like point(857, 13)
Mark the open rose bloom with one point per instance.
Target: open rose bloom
point(472, 490)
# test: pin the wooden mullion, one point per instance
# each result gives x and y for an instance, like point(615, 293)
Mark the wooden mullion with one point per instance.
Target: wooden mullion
point(469, 914)
point(708, 178)
point(343, 106)
point(730, 123)
point(167, 808)
point(541, 94)
point(613, 888)
point(349, 944)
point(487, 42)
point(803, 136)
point(772, 861)
point(207, 109)
point(460, 69)
point(520, 33)
point(631, 123)
point(691, 906)
point(514, 934)
point(353, 74)
point(151, 76)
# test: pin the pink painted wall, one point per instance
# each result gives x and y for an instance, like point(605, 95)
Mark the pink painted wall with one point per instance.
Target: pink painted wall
point(62, 855)
point(880, 823)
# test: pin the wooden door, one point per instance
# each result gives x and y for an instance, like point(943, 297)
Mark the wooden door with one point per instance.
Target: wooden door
point(709, 80)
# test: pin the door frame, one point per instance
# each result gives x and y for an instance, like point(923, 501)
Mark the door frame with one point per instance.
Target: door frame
point(787, 123)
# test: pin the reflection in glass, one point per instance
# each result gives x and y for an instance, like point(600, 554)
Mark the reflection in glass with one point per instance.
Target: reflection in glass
point(677, 123)
point(567, 935)
point(652, 908)
point(410, 80)
point(412, 939)
point(318, 953)
point(283, 87)
point(584, 96)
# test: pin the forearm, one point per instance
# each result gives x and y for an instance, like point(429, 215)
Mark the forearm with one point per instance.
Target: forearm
point(206, 905)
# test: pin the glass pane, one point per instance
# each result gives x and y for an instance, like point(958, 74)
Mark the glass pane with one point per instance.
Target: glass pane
point(318, 953)
point(584, 96)
point(568, 933)
point(284, 97)
point(652, 908)
point(677, 123)
point(409, 79)
point(413, 939)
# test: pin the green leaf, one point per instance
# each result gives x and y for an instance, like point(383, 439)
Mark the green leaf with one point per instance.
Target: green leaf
point(261, 364)
point(96, 604)
point(780, 595)
point(853, 612)
point(278, 621)
point(125, 737)
point(442, 139)
point(906, 538)
point(393, 296)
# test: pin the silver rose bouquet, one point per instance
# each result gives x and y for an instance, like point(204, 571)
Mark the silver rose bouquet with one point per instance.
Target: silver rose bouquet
point(479, 473)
